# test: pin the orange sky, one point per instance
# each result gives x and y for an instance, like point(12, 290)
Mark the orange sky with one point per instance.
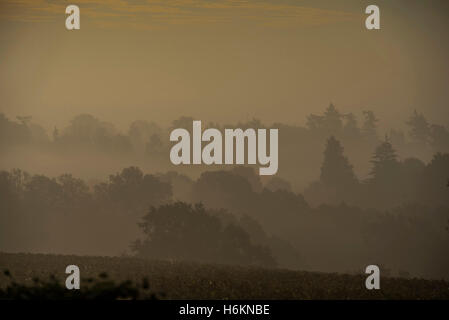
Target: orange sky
point(222, 60)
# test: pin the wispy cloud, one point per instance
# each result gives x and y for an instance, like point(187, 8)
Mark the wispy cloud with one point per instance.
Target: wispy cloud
point(148, 13)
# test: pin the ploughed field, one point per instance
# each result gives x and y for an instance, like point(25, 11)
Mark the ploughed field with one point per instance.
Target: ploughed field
point(188, 280)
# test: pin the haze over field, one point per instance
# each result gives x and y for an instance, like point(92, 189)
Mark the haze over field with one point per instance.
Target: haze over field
point(363, 120)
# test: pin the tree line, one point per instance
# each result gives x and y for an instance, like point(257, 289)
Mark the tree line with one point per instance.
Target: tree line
point(229, 217)
point(87, 140)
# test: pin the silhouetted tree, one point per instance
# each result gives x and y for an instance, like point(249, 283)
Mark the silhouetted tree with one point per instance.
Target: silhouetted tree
point(432, 183)
point(13, 133)
point(75, 192)
point(314, 122)
point(329, 123)
point(397, 137)
point(439, 138)
point(419, 128)
point(332, 119)
point(385, 163)
point(131, 191)
point(351, 129)
point(154, 145)
point(370, 125)
point(223, 189)
point(182, 122)
point(181, 231)
point(181, 185)
point(86, 131)
point(140, 132)
point(336, 171)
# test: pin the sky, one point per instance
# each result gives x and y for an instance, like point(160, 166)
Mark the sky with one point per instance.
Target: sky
point(223, 61)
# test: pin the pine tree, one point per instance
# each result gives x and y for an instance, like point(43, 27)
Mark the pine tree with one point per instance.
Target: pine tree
point(420, 128)
point(370, 124)
point(351, 128)
point(336, 169)
point(330, 122)
point(385, 163)
point(332, 119)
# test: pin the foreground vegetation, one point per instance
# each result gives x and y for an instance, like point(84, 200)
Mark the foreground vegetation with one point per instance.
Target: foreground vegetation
point(182, 280)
